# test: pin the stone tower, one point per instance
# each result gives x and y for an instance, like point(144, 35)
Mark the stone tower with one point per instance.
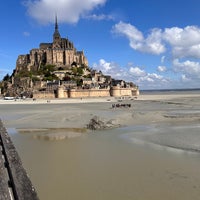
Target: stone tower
point(61, 53)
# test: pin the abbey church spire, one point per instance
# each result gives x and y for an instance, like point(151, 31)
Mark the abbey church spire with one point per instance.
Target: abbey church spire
point(56, 24)
point(56, 35)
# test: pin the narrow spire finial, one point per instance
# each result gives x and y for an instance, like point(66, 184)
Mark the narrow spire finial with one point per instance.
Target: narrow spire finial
point(56, 22)
point(56, 35)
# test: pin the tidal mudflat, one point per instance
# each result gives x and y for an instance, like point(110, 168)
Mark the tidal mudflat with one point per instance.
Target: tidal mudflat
point(154, 154)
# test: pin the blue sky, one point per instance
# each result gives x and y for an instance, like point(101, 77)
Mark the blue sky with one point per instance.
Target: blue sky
point(153, 43)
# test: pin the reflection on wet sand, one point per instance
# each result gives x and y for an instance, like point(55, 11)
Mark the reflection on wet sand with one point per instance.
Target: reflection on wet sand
point(54, 133)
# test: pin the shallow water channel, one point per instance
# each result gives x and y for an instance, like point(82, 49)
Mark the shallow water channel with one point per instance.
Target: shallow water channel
point(106, 165)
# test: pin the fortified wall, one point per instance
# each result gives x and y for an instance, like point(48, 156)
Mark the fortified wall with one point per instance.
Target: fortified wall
point(118, 92)
point(83, 93)
point(43, 95)
point(79, 93)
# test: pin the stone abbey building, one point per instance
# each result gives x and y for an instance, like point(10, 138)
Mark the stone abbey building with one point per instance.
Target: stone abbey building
point(61, 53)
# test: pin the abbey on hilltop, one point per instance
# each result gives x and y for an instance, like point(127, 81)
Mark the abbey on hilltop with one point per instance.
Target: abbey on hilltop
point(58, 70)
point(61, 53)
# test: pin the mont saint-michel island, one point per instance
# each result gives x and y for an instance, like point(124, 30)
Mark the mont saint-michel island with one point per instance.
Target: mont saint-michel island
point(59, 70)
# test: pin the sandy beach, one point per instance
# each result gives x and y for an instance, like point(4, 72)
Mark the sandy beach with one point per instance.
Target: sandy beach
point(161, 111)
point(148, 110)
point(160, 131)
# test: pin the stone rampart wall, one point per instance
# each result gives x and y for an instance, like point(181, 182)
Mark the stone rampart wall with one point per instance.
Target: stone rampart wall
point(79, 93)
point(118, 92)
point(89, 93)
point(43, 95)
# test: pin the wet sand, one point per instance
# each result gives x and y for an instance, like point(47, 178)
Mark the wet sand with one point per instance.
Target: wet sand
point(155, 154)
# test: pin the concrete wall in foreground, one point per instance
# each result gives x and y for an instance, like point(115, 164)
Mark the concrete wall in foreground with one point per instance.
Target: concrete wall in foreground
point(14, 181)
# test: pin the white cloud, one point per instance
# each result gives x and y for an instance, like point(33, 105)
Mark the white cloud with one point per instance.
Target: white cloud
point(99, 17)
point(68, 11)
point(131, 32)
point(111, 68)
point(162, 68)
point(186, 52)
point(136, 71)
point(179, 42)
point(188, 68)
point(106, 66)
point(151, 77)
point(131, 73)
point(154, 81)
point(162, 59)
point(188, 36)
point(185, 42)
point(185, 79)
point(174, 43)
point(151, 44)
